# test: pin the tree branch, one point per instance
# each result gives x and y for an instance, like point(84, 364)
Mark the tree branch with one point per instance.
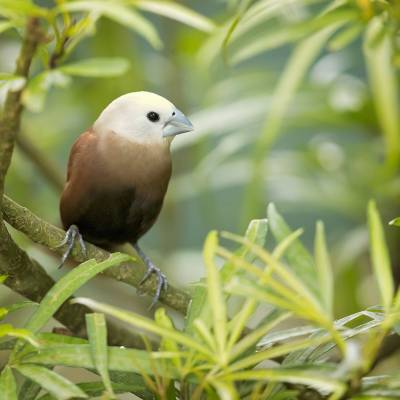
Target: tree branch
point(44, 233)
point(11, 116)
point(29, 279)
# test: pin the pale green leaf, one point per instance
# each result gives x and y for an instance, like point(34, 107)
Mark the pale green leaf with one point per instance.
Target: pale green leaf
point(96, 389)
point(215, 293)
point(299, 259)
point(97, 333)
point(144, 323)
point(383, 82)
point(69, 284)
point(256, 232)
point(315, 379)
point(97, 67)
point(119, 359)
point(324, 269)
point(345, 37)
point(54, 383)
point(121, 14)
point(225, 390)
point(177, 12)
point(287, 34)
point(380, 257)
point(25, 8)
point(5, 25)
point(25, 334)
point(8, 386)
point(395, 222)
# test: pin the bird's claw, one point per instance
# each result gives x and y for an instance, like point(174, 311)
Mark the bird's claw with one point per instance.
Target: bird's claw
point(70, 237)
point(162, 282)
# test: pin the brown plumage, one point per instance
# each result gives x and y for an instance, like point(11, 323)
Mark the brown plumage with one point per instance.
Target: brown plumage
point(115, 188)
point(118, 174)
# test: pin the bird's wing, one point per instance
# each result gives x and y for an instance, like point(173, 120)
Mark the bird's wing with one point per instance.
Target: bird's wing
point(74, 199)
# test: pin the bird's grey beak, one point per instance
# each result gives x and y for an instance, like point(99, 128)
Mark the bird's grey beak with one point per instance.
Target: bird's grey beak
point(177, 124)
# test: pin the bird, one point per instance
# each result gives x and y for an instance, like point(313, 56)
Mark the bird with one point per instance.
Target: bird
point(118, 174)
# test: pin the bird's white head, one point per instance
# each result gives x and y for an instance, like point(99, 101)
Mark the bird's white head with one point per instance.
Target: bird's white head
point(143, 117)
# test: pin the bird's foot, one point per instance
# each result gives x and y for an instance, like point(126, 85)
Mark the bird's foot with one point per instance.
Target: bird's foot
point(162, 282)
point(70, 238)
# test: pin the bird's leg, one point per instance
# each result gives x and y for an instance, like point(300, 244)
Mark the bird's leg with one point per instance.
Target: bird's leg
point(70, 237)
point(152, 269)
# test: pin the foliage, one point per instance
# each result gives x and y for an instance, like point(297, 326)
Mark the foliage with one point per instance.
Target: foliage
point(216, 355)
point(263, 326)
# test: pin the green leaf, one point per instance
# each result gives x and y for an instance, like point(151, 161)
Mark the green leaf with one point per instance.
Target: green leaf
point(97, 67)
point(162, 319)
point(12, 82)
point(177, 12)
point(144, 323)
point(299, 259)
point(54, 383)
point(380, 257)
point(383, 82)
point(345, 37)
point(119, 359)
point(324, 269)
point(69, 284)
point(215, 293)
point(256, 232)
point(97, 333)
point(29, 390)
point(5, 25)
point(395, 222)
point(8, 386)
point(25, 334)
point(286, 34)
point(96, 389)
point(10, 8)
point(14, 307)
point(225, 390)
point(293, 375)
point(119, 13)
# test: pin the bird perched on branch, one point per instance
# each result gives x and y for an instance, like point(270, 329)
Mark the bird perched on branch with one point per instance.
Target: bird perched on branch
point(118, 174)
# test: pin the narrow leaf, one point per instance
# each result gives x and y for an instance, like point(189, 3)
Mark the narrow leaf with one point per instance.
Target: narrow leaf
point(383, 81)
point(97, 333)
point(119, 13)
point(97, 67)
point(8, 386)
point(299, 259)
point(324, 268)
point(69, 284)
point(54, 383)
point(215, 295)
point(380, 257)
point(177, 12)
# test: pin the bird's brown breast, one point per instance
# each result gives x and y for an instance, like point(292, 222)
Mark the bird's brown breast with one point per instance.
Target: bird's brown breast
point(115, 188)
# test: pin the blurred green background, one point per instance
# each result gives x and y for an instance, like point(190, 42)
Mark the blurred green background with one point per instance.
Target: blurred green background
point(334, 146)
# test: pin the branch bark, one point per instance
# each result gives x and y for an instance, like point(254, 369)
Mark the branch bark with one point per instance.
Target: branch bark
point(28, 278)
point(11, 116)
point(46, 234)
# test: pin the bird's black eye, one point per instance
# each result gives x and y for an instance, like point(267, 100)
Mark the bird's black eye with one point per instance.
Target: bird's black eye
point(153, 116)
